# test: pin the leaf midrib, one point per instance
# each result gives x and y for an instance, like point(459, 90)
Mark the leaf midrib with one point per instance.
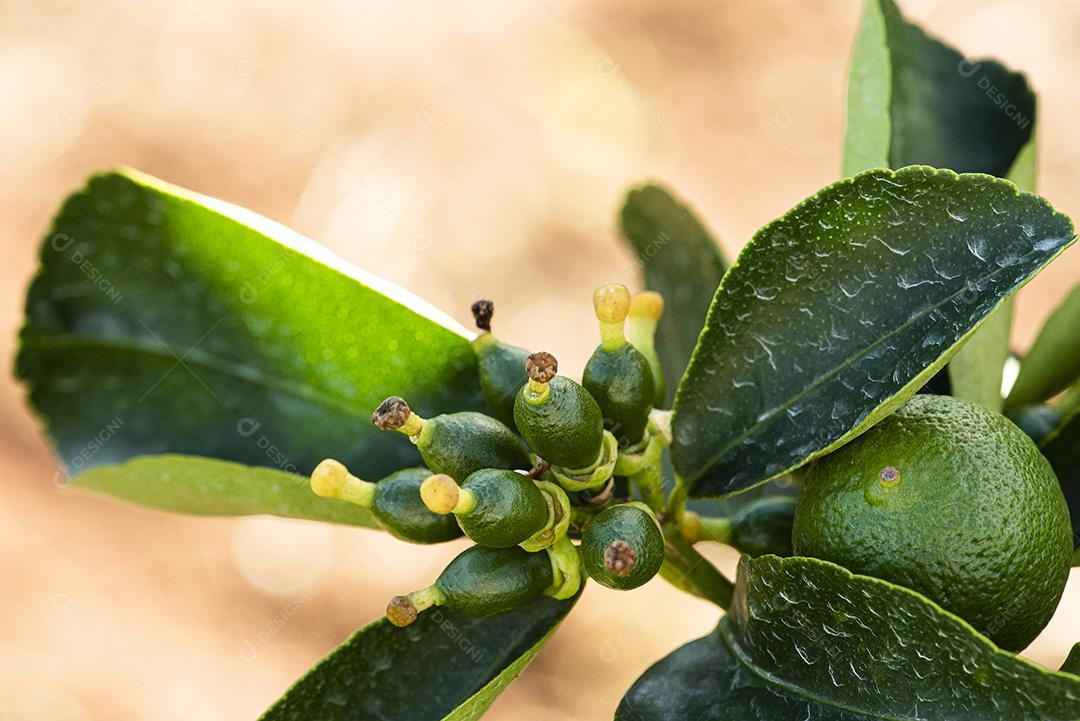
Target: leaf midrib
point(35, 340)
point(820, 380)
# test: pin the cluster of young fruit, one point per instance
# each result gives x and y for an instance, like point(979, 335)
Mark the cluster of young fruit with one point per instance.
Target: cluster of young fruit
point(555, 461)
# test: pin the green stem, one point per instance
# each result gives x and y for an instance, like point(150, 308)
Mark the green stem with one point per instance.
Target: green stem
point(676, 505)
point(688, 570)
point(650, 481)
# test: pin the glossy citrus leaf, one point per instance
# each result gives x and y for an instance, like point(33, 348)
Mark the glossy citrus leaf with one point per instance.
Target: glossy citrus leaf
point(211, 487)
point(806, 639)
point(977, 369)
point(913, 99)
point(680, 260)
point(445, 666)
point(1053, 363)
point(840, 310)
point(164, 321)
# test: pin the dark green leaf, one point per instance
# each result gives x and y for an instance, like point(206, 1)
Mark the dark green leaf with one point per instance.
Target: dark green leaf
point(444, 666)
point(837, 312)
point(977, 369)
point(163, 321)
point(1053, 363)
point(1062, 449)
point(681, 261)
point(211, 487)
point(807, 640)
point(914, 100)
point(1072, 663)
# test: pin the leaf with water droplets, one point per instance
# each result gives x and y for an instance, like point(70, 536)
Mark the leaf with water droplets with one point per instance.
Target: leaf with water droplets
point(444, 667)
point(681, 261)
point(164, 321)
point(806, 639)
point(887, 298)
point(913, 99)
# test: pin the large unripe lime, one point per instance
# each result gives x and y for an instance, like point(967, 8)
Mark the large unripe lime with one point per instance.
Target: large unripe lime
point(953, 501)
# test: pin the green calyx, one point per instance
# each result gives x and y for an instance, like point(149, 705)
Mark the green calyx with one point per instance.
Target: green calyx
point(623, 546)
point(642, 465)
point(566, 572)
point(494, 507)
point(501, 366)
point(394, 501)
point(593, 476)
point(645, 311)
point(558, 418)
point(480, 581)
point(559, 516)
point(457, 444)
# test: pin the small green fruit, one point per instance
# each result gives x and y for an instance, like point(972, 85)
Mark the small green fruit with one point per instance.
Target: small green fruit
point(481, 581)
point(617, 375)
point(394, 501)
point(557, 417)
point(501, 365)
point(622, 548)
point(496, 508)
point(456, 444)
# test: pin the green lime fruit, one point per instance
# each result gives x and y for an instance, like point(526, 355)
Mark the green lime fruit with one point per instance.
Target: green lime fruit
point(557, 417)
point(617, 375)
point(501, 366)
point(394, 501)
point(456, 444)
point(622, 547)
point(480, 581)
point(495, 507)
point(951, 500)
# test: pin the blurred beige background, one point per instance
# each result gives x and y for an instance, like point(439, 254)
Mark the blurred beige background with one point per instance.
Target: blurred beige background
point(459, 149)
